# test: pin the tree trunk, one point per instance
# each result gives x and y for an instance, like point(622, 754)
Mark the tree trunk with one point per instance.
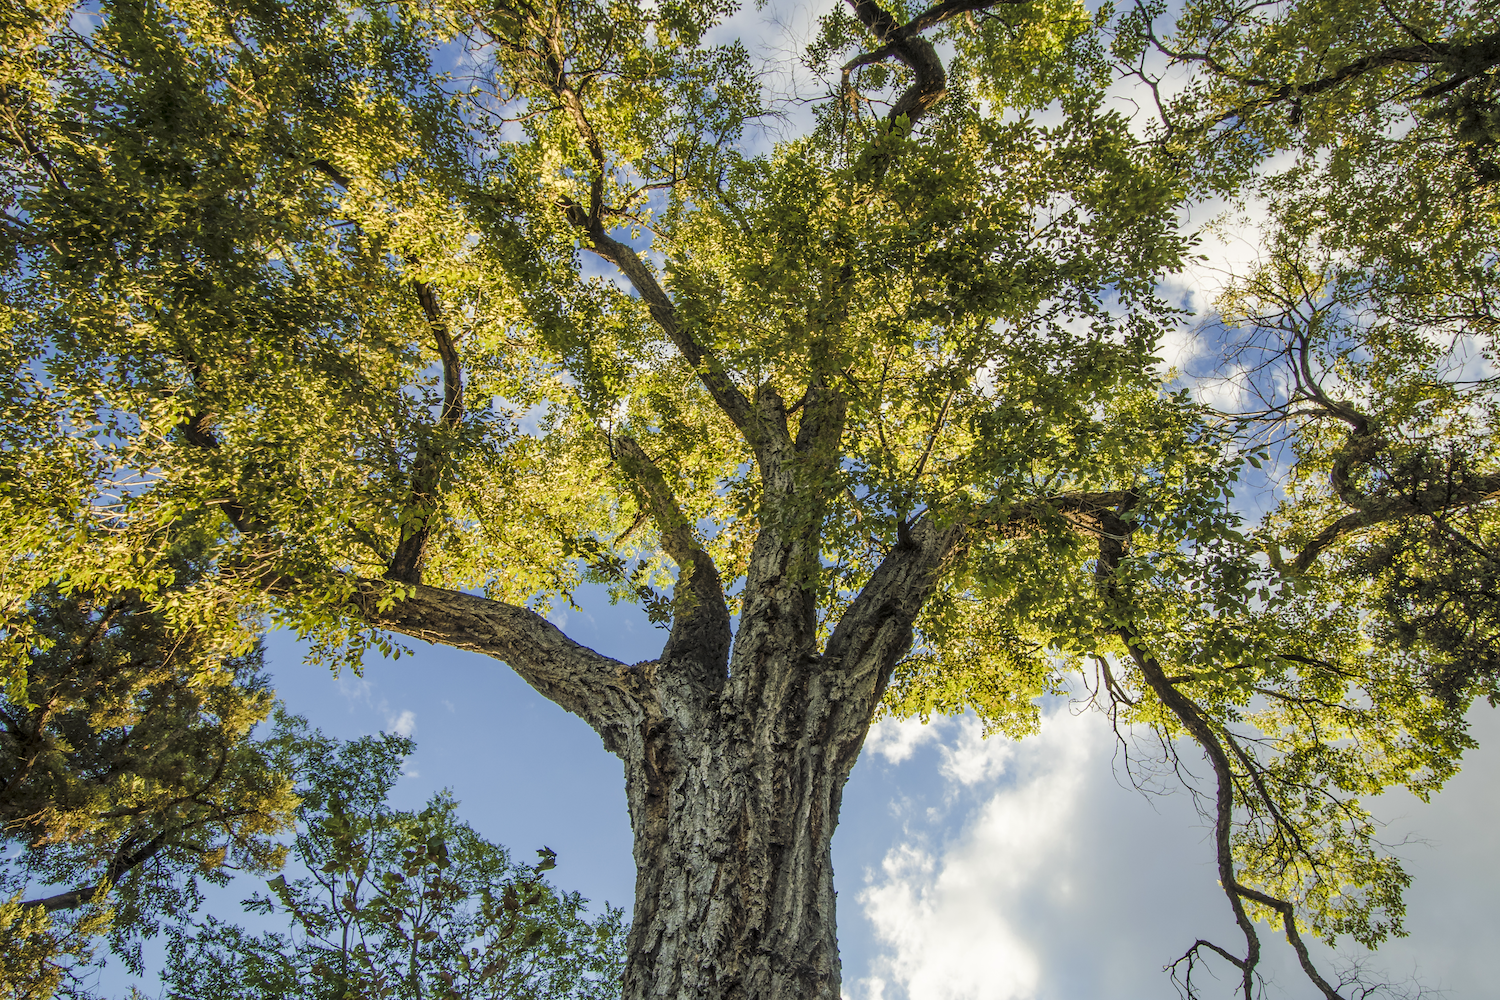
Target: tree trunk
point(735, 764)
point(733, 820)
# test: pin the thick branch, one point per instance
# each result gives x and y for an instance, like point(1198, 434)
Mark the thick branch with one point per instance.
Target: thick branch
point(600, 690)
point(820, 431)
point(70, 900)
point(1383, 509)
point(904, 42)
point(798, 477)
point(120, 866)
point(930, 79)
point(875, 631)
point(700, 617)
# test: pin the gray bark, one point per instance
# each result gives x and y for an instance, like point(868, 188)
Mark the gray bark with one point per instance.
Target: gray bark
point(734, 770)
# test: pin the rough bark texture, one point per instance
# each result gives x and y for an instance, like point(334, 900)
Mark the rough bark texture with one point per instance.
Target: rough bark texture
point(734, 768)
point(734, 802)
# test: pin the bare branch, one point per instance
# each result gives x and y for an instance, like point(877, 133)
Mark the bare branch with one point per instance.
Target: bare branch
point(1113, 539)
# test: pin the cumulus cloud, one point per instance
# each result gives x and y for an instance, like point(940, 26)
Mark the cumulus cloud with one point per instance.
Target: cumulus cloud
point(953, 923)
point(1043, 875)
point(403, 724)
point(896, 740)
point(972, 759)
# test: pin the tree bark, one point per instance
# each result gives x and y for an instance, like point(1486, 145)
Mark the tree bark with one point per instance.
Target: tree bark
point(734, 808)
point(733, 821)
point(734, 770)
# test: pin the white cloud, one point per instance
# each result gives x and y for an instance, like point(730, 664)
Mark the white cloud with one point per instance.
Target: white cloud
point(404, 724)
point(896, 740)
point(1180, 346)
point(973, 758)
point(954, 924)
point(355, 688)
point(1046, 876)
point(1227, 392)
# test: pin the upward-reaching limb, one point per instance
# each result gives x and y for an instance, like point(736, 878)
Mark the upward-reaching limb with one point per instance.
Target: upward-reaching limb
point(700, 617)
point(904, 43)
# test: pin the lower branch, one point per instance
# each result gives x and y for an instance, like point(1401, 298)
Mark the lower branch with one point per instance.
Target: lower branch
point(120, 866)
point(700, 617)
point(70, 900)
point(876, 630)
point(600, 690)
point(1114, 535)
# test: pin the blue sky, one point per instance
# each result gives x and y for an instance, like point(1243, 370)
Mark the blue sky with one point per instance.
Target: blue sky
point(967, 869)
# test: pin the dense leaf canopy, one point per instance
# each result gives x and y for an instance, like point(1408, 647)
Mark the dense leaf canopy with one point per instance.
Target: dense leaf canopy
point(388, 299)
point(127, 774)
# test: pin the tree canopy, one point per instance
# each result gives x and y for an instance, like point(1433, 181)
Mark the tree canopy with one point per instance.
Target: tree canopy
point(396, 903)
point(127, 774)
point(420, 316)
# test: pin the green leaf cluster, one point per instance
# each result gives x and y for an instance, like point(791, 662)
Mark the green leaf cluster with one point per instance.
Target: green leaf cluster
point(396, 903)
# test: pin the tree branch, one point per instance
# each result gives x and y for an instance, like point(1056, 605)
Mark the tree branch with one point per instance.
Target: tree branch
point(1383, 509)
point(700, 617)
point(1465, 61)
point(411, 551)
point(723, 390)
point(118, 867)
point(598, 689)
point(875, 632)
point(1114, 535)
point(905, 43)
point(798, 477)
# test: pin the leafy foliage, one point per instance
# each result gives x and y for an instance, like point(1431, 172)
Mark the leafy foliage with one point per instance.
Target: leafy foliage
point(318, 284)
point(1362, 345)
point(398, 904)
point(127, 774)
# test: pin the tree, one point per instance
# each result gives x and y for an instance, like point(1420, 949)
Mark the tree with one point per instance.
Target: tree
point(873, 419)
point(1362, 339)
point(398, 904)
point(127, 772)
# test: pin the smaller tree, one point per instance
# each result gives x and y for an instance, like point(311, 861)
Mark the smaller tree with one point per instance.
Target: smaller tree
point(127, 773)
point(398, 904)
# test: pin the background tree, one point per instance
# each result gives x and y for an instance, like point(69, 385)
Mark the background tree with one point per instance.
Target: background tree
point(398, 904)
point(873, 418)
point(128, 772)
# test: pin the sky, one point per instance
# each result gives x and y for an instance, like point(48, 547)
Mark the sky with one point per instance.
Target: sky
point(967, 869)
